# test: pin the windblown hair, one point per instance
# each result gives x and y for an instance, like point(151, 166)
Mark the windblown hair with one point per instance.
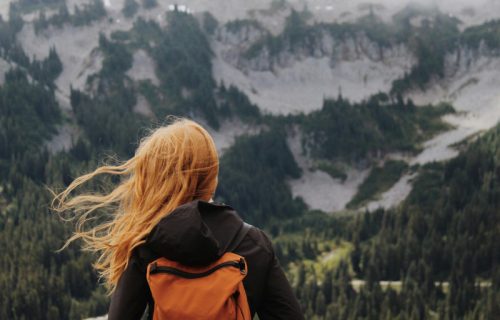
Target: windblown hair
point(174, 165)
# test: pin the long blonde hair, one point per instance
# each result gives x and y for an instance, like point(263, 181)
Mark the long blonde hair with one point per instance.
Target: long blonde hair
point(173, 165)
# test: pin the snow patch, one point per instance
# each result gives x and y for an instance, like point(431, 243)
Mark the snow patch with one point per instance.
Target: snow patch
point(75, 47)
point(318, 189)
point(395, 195)
point(143, 68)
point(4, 8)
point(227, 133)
point(67, 134)
point(477, 102)
point(63, 100)
point(142, 107)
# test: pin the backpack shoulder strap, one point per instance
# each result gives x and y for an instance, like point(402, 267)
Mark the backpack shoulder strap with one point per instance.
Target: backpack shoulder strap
point(239, 237)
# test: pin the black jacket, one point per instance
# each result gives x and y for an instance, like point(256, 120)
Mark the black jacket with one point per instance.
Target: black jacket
point(198, 233)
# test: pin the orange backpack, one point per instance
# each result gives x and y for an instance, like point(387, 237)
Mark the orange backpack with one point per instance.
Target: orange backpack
point(214, 291)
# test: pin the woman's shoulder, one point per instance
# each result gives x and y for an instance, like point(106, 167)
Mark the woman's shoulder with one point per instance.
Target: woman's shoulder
point(141, 256)
point(260, 238)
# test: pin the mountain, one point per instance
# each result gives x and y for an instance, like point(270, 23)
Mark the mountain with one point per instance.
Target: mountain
point(353, 49)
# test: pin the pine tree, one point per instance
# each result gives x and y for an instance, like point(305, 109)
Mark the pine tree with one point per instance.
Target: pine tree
point(130, 8)
point(149, 4)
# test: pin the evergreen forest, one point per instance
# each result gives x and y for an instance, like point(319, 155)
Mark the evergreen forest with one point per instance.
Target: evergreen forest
point(435, 256)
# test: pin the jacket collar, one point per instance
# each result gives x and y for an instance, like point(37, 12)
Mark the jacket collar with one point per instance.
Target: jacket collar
point(196, 233)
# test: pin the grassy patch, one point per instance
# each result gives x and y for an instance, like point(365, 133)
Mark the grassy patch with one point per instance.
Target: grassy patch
point(328, 260)
point(333, 170)
point(380, 180)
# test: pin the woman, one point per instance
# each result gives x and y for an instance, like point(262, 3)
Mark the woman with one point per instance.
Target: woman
point(162, 209)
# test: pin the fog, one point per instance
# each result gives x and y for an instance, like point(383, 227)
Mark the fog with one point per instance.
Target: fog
point(468, 11)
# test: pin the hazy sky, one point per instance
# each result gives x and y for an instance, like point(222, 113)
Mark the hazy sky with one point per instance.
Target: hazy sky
point(469, 11)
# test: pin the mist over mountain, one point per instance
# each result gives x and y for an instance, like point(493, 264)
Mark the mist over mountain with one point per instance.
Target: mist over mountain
point(363, 136)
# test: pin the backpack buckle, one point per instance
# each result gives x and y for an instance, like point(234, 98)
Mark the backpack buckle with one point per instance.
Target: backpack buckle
point(153, 268)
point(242, 266)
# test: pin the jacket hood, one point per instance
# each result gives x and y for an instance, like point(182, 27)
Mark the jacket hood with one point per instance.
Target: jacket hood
point(196, 233)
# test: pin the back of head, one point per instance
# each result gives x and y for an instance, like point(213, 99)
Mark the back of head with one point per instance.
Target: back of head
point(173, 165)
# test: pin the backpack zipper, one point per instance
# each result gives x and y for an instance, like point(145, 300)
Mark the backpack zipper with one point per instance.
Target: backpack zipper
point(192, 275)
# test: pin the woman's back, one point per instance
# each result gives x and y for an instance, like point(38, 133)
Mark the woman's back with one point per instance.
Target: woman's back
point(198, 233)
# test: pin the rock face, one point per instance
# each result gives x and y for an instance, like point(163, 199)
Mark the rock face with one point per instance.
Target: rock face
point(237, 40)
point(298, 80)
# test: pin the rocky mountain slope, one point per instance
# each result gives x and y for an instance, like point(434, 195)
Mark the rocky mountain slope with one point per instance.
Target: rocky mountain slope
point(291, 82)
